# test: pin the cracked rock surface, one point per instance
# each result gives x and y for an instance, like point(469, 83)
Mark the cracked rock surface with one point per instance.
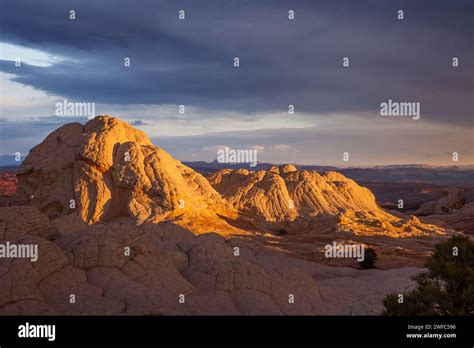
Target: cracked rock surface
point(122, 268)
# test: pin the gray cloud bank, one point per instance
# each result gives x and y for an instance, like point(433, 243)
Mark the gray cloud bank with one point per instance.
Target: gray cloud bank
point(282, 62)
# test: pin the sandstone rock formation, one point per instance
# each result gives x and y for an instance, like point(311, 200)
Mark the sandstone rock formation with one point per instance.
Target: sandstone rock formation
point(16, 222)
point(450, 211)
point(461, 219)
point(283, 193)
point(452, 200)
point(124, 228)
point(107, 169)
point(310, 201)
point(122, 268)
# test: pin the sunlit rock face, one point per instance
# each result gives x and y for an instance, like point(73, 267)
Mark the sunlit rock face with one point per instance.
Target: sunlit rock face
point(306, 200)
point(106, 170)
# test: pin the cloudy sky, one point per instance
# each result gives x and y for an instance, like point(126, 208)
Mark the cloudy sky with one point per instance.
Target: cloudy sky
point(190, 62)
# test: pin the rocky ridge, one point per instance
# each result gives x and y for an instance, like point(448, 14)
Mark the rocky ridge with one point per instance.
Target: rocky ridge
point(306, 200)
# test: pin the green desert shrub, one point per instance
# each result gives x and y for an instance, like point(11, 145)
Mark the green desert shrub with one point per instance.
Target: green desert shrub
point(446, 288)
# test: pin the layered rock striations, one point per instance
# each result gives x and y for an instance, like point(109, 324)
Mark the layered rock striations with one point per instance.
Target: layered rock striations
point(306, 200)
point(107, 170)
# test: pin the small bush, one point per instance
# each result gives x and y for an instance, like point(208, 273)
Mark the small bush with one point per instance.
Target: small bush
point(281, 232)
point(370, 256)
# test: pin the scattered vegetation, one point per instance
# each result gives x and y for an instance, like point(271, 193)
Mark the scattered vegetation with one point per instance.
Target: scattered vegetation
point(281, 232)
point(446, 288)
point(370, 256)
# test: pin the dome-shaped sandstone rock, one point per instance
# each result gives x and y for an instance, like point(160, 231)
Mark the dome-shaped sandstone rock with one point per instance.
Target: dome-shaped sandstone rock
point(106, 170)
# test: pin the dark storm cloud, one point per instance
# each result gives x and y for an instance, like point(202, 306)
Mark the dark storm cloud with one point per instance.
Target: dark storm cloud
point(39, 126)
point(282, 62)
point(20, 135)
